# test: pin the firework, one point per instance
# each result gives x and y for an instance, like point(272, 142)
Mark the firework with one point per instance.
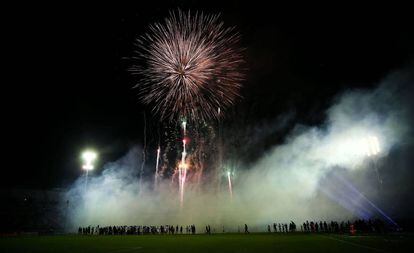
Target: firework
point(156, 167)
point(182, 168)
point(189, 66)
point(230, 187)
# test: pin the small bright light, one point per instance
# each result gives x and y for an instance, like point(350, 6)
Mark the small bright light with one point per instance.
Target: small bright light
point(88, 157)
point(183, 166)
point(87, 167)
point(372, 146)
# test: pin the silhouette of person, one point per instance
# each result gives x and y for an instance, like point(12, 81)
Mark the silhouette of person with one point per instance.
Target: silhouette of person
point(246, 229)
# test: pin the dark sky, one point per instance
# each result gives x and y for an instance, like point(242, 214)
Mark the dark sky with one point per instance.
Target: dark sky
point(68, 85)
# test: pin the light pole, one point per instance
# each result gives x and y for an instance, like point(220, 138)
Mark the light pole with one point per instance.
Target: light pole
point(88, 158)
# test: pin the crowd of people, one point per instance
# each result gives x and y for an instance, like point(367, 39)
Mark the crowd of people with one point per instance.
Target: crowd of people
point(363, 226)
point(360, 226)
point(136, 230)
point(282, 227)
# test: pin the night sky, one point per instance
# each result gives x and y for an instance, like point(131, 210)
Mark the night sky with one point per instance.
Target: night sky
point(69, 87)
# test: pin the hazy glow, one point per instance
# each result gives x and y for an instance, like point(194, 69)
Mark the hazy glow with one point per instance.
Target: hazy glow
point(372, 146)
point(88, 158)
point(285, 183)
point(229, 184)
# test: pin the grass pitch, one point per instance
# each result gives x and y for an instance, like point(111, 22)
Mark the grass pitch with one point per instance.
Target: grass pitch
point(213, 243)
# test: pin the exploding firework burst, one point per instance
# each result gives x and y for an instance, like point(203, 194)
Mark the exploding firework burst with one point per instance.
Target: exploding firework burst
point(189, 66)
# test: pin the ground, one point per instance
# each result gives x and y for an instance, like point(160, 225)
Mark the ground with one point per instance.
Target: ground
point(204, 243)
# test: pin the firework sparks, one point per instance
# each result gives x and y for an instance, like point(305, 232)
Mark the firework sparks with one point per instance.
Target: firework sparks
point(156, 167)
point(182, 168)
point(191, 66)
point(230, 186)
point(184, 125)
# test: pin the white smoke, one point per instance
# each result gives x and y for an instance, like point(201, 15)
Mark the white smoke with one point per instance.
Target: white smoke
point(283, 185)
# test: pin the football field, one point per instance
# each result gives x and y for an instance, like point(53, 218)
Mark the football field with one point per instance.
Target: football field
point(209, 243)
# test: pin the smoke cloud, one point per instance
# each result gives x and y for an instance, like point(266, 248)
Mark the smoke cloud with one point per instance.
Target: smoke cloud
point(338, 170)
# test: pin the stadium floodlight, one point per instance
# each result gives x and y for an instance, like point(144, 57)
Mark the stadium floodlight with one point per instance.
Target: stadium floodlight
point(88, 158)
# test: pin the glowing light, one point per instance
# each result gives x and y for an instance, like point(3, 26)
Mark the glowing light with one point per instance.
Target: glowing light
point(87, 167)
point(182, 167)
point(191, 66)
point(230, 186)
point(184, 125)
point(88, 157)
point(372, 146)
point(156, 167)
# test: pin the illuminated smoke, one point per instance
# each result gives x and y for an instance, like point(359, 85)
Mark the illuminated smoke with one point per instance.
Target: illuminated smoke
point(319, 172)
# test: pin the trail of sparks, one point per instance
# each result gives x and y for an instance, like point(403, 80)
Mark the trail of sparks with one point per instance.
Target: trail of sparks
point(156, 168)
point(182, 168)
point(189, 66)
point(230, 186)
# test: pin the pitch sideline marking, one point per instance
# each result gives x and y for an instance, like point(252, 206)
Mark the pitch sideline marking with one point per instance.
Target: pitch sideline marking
point(125, 249)
point(354, 244)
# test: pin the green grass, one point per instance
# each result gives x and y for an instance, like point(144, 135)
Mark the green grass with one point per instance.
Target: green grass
point(203, 243)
